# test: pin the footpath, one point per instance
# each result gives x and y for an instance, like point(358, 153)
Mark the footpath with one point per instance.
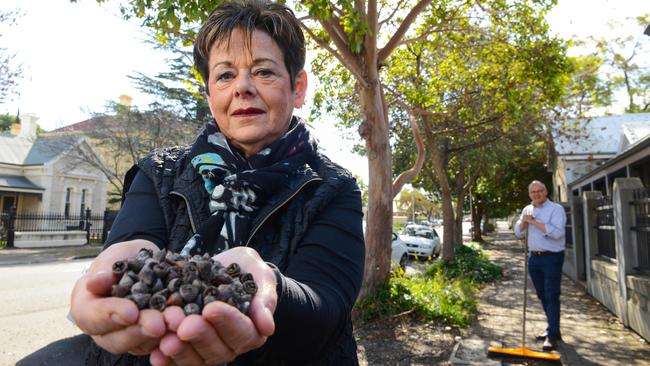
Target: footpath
point(19, 256)
point(591, 334)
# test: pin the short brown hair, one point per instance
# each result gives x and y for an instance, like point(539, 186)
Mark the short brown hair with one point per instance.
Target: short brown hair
point(277, 20)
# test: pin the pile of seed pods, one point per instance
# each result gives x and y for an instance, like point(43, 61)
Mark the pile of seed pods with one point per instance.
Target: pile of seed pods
point(161, 279)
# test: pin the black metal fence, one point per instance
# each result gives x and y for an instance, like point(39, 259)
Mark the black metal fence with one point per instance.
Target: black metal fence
point(606, 230)
point(641, 204)
point(96, 226)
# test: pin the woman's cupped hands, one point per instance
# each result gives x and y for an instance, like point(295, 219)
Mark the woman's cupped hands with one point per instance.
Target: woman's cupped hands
point(218, 335)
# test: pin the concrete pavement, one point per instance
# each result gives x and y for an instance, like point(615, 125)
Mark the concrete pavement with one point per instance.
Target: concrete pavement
point(18, 256)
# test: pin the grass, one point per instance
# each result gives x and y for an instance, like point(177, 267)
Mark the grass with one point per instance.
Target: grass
point(445, 292)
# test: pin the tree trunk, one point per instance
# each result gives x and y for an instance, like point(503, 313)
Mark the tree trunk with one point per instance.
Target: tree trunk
point(477, 214)
point(460, 195)
point(375, 131)
point(439, 164)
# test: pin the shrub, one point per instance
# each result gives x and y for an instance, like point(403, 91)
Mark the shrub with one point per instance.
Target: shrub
point(469, 263)
point(444, 292)
point(430, 298)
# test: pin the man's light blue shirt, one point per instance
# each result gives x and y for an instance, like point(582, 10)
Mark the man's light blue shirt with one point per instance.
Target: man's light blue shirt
point(553, 217)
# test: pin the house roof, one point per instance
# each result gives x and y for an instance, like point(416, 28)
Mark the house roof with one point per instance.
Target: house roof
point(18, 183)
point(638, 146)
point(605, 135)
point(18, 150)
point(83, 126)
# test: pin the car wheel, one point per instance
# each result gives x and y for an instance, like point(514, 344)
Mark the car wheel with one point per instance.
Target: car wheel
point(403, 261)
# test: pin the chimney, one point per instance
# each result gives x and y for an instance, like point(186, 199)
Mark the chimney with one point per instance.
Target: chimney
point(28, 126)
point(125, 100)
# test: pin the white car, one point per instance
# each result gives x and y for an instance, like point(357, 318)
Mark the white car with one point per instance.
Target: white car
point(421, 241)
point(398, 255)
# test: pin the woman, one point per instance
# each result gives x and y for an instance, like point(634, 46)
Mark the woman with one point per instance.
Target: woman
point(252, 189)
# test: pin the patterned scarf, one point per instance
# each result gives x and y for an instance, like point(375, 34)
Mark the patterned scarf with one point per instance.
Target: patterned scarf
point(239, 187)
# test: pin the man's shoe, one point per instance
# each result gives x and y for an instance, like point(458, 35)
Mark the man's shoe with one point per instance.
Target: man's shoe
point(549, 344)
point(542, 336)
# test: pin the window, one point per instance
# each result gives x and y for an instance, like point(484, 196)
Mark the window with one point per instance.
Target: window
point(66, 208)
point(82, 208)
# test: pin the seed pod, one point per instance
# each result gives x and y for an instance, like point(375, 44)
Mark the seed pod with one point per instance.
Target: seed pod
point(210, 291)
point(233, 270)
point(174, 285)
point(157, 286)
point(175, 299)
point(147, 276)
point(135, 265)
point(245, 276)
point(205, 270)
point(199, 285)
point(164, 293)
point(172, 257)
point(221, 277)
point(141, 300)
point(216, 265)
point(189, 292)
point(171, 274)
point(191, 308)
point(237, 286)
point(127, 281)
point(144, 254)
point(225, 293)
point(160, 255)
point(139, 288)
point(120, 267)
point(158, 302)
point(189, 272)
point(161, 270)
point(244, 307)
point(119, 291)
point(250, 287)
point(208, 299)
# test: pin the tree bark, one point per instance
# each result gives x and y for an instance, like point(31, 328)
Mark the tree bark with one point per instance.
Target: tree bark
point(375, 131)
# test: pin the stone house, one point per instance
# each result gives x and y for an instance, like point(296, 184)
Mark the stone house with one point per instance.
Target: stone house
point(41, 174)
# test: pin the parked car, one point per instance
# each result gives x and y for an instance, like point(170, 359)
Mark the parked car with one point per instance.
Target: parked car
point(421, 241)
point(398, 255)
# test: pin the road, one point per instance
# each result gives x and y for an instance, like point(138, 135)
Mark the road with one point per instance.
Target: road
point(34, 302)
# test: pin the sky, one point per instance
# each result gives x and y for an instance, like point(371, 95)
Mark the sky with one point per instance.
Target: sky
point(76, 57)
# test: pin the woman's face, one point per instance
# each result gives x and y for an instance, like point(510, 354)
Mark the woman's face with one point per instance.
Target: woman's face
point(250, 91)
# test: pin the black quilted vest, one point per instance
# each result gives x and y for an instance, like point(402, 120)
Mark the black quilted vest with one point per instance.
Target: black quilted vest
point(276, 230)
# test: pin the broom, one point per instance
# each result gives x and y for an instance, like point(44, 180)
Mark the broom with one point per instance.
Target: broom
point(523, 351)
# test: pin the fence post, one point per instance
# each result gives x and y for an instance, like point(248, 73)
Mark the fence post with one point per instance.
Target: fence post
point(577, 218)
point(589, 201)
point(87, 226)
point(625, 240)
point(104, 230)
point(11, 227)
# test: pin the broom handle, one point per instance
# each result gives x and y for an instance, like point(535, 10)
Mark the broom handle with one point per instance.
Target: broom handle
point(523, 325)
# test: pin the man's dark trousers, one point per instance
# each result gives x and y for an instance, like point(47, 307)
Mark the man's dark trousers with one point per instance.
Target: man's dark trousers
point(546, 273)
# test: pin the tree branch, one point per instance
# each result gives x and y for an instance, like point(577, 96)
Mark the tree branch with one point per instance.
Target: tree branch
point(401, 31)
point(410, 174)
point(350, 63)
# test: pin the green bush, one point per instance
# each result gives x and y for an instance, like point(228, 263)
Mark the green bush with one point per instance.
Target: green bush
point(469, 263)
point(445, 292)
point(430, 298)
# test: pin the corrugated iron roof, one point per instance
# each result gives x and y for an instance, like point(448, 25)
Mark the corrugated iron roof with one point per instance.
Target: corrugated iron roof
point(16, 182)
point(603, 135)
point(18, 150)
